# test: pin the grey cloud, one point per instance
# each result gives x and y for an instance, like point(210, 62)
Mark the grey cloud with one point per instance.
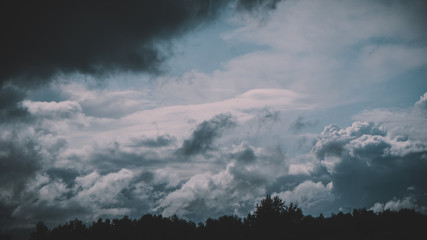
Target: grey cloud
point(203, 136)
point(95, 37)
point(257, 4)
point(26, 150)
point(259, 171)
point(146, 176)
point(232, 189)
point(92, 37)
point(19, 160)
point(159, 141)
point(10, 109)
point(53, 110)
point(113, 158)
point(54, 212)
point(266, 117)
point(309, 196)
point(91, 196)
point(66, 175)
point(367, 165)
point(247, 155)
point(300, 124)
point(333, 139)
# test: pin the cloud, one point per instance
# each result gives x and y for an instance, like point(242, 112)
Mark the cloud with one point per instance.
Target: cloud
point(422, 103)
point(308, 194)
point(398, 204)
point(10, 108)
point(300, 123)
point(103, 190)
point(67, 176)
point(202, 138)
point(47, 38)
point(256, 4)
point(233, 189)
point(20, 161)
point(88, 197)
point(316, 48)
point(23, 154)
point(56, 110)
point(160, 141)
point(112, 150)
point(368, 162)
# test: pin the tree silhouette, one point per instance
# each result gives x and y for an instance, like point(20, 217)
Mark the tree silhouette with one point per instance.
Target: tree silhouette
point(271, 219)
point(41, 233)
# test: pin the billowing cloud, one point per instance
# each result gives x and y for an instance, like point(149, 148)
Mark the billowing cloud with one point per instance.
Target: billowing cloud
point(398, 204)
point(308, 194)
point(233, 189)
point(24, 152)
point(422, 103)
point(369, 162)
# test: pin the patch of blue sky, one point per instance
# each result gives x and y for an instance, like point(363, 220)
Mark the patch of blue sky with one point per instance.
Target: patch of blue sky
point(206, 50)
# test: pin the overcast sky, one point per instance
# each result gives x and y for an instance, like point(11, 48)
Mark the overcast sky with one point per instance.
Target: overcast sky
point(201, 108)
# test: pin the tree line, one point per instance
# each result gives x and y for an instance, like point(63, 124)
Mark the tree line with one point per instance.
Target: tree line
point(271, 219)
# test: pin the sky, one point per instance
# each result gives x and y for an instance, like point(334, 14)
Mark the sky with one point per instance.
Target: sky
point(201, 108)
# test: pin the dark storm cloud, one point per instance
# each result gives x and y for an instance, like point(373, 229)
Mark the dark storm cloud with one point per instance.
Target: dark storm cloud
point(367, 165)
point(202, 138)
point(65, 175)
point(113, 158)
point(42, 38)
point(256, 4)
point(10, 109)
point(19, 162)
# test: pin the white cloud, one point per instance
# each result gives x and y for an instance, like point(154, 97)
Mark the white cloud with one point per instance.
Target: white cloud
point(107, 103)
point(177, 120)
point(319, 47)
point(65, 109)
point(308, 194)
point(306, 169)
point(400, 123)
point(398, 204)
point(422, 103)
point(103, 190)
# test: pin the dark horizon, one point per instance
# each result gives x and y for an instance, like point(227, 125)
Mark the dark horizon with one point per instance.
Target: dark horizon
point(272, 218)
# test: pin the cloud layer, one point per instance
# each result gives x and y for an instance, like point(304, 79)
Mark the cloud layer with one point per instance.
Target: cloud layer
point(97, 37)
